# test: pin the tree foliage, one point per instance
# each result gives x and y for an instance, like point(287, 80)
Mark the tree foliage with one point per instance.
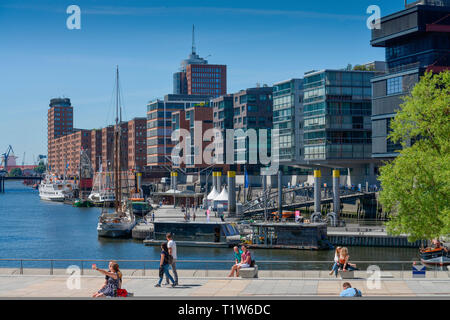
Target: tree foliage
point(416, 185)
point(15, 172)
point(40, 168)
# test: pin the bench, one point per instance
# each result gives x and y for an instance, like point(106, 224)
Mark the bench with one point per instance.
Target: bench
point(249, 272)
point(347, 274)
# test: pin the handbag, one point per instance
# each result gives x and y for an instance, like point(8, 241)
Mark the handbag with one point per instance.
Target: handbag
point(122, 293)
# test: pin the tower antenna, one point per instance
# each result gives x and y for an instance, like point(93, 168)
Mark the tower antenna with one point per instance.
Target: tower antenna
point(193, 40)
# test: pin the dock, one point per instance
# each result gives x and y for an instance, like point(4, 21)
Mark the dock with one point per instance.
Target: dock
point(368, 237)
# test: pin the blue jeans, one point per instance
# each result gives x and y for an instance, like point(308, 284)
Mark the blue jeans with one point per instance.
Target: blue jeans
point(165, 269)
point(335, 268)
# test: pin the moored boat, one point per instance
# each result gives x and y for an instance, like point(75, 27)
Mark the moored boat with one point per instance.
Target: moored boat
point(435, 256)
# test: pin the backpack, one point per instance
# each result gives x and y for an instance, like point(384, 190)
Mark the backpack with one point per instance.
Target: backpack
point(357, 293)
point(252, 263)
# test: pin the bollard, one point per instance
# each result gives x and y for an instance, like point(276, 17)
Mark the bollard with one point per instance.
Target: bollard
point(219, 181)
point(231, 193)
point(139, 183)
point(317, 191)
point(174, 176)
point(336, 195)
point(214, 176)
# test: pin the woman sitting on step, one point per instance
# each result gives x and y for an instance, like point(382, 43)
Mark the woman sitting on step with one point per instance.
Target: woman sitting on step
point(344, 263)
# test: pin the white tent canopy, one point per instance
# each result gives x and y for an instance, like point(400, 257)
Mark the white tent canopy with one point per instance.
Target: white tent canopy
point(213, 194)
point(223, 196)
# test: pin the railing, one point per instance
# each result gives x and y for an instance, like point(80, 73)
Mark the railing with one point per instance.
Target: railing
point(267, 268)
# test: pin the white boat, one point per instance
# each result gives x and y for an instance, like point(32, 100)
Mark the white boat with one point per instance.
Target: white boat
point(116, 224)
point(102, 193)
point(52, 189)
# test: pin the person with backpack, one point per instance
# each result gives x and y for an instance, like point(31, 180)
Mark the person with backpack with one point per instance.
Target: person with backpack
point(349, 291)
point(172, 249)
point(164, 266)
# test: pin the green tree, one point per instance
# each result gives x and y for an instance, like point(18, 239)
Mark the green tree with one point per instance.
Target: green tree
point(416, 185)
point(40, 168)
point(15, 172)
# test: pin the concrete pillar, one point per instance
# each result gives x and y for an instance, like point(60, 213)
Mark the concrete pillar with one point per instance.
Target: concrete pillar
point(264, 184)
point(231, 193)
point(219, 181)
point(174, 177)
point(280, 194)
point(214, 177)
point(317, 191)
point(138, 182)
point(336, 193)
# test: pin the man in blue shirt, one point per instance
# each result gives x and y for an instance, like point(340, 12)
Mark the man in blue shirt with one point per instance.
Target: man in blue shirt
point(349, 291)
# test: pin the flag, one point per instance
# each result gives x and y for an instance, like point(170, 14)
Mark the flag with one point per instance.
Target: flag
point(246, 179)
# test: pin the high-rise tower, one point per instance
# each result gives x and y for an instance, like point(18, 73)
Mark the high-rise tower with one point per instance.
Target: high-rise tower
point(196, 76)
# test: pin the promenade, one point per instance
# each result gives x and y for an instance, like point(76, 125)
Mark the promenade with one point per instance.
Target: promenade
point(35, 284)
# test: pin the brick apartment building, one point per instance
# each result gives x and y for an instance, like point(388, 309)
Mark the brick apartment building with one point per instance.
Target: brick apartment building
point(197, 120)
point(65, 143)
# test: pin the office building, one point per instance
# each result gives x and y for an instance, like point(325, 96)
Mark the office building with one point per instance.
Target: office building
point(417, 39)
point(197, 77)
point(159, 125)
point(288, 118)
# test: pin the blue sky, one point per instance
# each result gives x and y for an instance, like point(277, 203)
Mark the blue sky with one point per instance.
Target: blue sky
point(260, 41)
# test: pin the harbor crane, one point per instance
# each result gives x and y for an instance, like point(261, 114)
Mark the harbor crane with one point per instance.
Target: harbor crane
point(5, 156)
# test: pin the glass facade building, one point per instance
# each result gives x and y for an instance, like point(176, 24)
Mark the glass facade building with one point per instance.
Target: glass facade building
point(288, 118)
point(336, 115)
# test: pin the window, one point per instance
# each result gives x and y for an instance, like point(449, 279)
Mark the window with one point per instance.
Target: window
point(394, 85)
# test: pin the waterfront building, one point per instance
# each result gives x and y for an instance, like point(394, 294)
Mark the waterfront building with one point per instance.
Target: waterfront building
point(337, 124)
point(288, 118)
point(196, 120)
point(159, 125)
point(197, 77)
point(65, 142)
point(247, 109)
point(137, 144)
point(96, 149)
point(417, 39)
point(66, 158)
point(59, 123)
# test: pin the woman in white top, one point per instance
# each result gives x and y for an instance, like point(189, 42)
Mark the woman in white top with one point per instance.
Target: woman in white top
point(335, 267)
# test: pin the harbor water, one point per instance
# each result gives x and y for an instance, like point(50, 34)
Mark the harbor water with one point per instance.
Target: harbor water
point(34, 229)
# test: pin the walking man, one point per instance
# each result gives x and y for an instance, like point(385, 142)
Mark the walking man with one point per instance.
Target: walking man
point(172, 246)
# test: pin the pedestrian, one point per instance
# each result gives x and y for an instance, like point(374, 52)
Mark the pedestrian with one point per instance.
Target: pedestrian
point(335, 267)
point(222, 217)
point(349, 291)
point(153, 216)
point(207, 215)
point(172, 249)
point(193, 216)
point(237, 259)
point(344, 263)
point(246, 260)
point(113, 279)
point(164, 266)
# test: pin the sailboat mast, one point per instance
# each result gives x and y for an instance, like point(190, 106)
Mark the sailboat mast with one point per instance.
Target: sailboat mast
point(117, 184)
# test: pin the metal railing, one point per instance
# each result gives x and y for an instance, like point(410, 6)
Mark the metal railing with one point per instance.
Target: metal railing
point(300, 269)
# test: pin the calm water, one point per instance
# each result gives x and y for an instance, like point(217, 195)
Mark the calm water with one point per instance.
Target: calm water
point(34, 229)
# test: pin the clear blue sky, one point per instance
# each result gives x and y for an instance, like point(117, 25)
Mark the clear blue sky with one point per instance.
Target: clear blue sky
point(260, 41)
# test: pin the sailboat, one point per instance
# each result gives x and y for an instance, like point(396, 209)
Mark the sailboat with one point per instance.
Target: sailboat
point(102, 193)
point(121, 221)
